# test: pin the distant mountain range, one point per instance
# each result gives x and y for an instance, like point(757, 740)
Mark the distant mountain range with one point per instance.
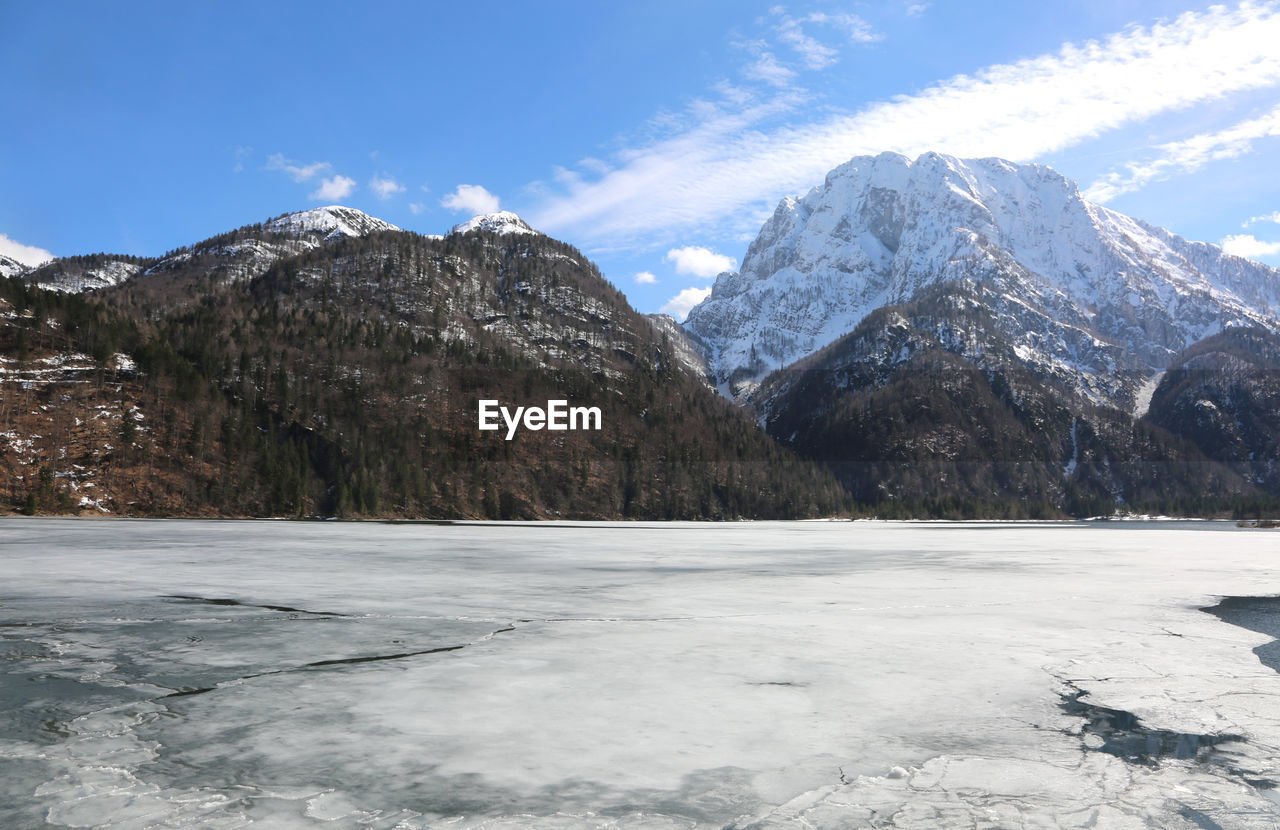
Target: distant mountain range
point(936, 337)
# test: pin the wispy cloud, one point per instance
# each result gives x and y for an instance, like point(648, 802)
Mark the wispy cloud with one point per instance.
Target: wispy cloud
point(766, 68)
point(679, 305)
point(645, 278)
point(1246, 245)
point(384, 187)
point(814, 54)
point(1186, 156)
point(28, 255)
point(699, 262)
point(854, 27)
point(416, 207)
point(334, 189)
point(1274, 216)
point(471, 199)
point(242, 154)
point(295, 170)
point(739, 162)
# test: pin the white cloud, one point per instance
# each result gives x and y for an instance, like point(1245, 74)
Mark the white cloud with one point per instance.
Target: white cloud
point(334, 189)
point(679, 305)
point(242, 153)
point(472, 199)
point(1245, 245)
point(739, 163)
point(1274, 216)
point(28, 255)
point(645, 278)
point(699, 261)
point(385, 187)
point(1186, 156)
point(416, 207)
point(297, 172)
point(917, 9)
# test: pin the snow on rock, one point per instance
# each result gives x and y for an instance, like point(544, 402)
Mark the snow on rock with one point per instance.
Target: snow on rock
point(1071, 284)
point(73, 280)
point(10, 267)
point(503, 222)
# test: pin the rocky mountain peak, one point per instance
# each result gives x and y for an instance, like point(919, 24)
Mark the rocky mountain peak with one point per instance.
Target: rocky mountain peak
point(1074, 286)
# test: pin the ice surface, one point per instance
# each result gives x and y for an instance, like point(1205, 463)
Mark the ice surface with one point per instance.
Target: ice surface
point(805, 675)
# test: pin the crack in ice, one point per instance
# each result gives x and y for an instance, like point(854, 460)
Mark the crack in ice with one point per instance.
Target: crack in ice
point(341, 661)
point(239, 604)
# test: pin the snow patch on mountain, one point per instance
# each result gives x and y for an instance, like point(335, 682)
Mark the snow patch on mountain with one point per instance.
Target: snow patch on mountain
point(1142, 401)
point(503, 222)
point(1081, 291)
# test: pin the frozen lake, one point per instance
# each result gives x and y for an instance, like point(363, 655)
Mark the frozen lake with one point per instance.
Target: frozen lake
point(789, 675)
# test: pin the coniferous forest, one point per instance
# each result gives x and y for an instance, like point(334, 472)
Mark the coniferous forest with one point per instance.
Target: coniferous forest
point(288, 370)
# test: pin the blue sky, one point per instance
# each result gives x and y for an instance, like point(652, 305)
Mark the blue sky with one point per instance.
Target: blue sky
point(655, 136)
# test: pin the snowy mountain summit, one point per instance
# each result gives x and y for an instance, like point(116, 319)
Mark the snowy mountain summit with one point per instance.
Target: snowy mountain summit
point(332, 222)
point(503, 222)
point(1081, 294)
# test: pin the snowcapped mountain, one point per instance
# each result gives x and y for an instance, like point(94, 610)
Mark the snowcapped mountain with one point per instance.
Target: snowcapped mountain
point(236, 255)
point(330, 223)
point(1085, 296)
point(503, 222)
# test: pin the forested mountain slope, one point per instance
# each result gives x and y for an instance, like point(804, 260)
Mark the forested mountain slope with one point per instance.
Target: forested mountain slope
point(329, 365)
